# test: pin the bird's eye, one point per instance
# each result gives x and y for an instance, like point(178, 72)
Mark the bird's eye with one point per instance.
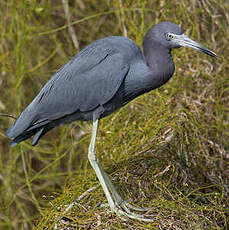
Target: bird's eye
point(169, 36)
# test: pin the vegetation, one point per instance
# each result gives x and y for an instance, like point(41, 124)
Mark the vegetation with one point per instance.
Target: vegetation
point(167, 149)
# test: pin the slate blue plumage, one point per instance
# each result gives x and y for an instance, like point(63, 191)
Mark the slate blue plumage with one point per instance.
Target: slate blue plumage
point(108, 73)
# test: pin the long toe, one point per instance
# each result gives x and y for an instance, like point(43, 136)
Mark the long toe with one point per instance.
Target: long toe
point(123, 210)
point(130, 206)
point(133, 215)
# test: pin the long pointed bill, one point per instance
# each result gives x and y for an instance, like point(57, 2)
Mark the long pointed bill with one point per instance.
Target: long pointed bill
point(183, 40)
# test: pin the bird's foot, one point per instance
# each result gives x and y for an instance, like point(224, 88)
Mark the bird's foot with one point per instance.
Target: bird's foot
point(124, 209)
point(130, 206)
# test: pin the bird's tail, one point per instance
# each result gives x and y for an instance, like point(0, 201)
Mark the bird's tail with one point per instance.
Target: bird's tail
point(36, 132)
point(23, 122)
point(22, 137)
point(26, 126)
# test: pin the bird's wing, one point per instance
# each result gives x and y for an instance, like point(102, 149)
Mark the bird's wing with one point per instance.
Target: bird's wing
point(90, 79)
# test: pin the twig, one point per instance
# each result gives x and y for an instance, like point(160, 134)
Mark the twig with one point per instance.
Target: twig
point(123, 19)
point(81, 4)
point(7, 115)
point(163, 172)
point(74, 203)
point(70, 28)
point(86, 192)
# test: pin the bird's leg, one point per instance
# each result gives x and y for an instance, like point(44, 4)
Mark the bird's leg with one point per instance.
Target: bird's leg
point(117, 198)
point(106, 179)
point(115, 202)
point(95, 164)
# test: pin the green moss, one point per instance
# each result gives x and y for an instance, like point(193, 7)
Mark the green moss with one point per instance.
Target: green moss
point(166, 149)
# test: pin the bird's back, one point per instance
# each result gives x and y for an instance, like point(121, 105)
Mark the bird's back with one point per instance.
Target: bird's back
point(90, 79)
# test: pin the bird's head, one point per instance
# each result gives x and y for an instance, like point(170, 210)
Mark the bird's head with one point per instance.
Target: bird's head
point(171, 36)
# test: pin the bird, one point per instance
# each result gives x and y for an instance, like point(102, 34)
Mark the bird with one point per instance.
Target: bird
point(97, 81)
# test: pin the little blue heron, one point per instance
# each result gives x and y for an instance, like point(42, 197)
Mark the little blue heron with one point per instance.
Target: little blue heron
point(97, 81)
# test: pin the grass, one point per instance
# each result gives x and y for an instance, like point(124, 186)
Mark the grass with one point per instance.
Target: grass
point(167, 149)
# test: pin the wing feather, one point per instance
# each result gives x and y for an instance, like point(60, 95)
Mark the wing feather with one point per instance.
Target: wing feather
point(82, 90)
point(91, 78)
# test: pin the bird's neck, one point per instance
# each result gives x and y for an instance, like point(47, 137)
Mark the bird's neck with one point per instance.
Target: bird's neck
point(155, 71)
point(159, 61)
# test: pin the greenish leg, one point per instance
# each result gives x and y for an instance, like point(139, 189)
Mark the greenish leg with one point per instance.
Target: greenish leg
point(115, 201)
